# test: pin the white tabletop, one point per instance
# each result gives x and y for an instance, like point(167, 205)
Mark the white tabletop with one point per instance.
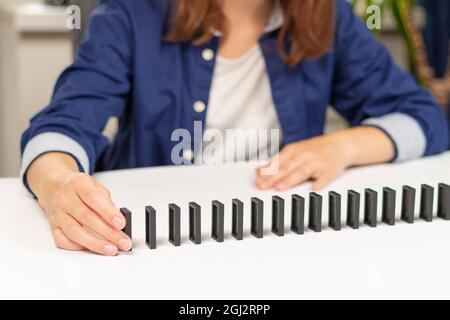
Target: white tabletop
point(404, 261)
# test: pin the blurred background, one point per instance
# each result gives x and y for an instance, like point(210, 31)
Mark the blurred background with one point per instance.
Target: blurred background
point(36, 45)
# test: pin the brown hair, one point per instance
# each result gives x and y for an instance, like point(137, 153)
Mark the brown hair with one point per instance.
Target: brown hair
point(308, 25)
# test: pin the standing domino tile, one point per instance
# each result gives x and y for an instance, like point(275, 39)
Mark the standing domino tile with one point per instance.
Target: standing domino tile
point(150, 227)
point(195, 223)
point(408, 204)
point(257, 223)
point(237, 228)
point(426, 203)
point(278, 216)
point(128, 227)
point(334, 204)
point(444, 201)
point(174, 225)
point(389, 206)
point(353, 208)
point(298, 214)
point(370, 208)
point(315, 212)
point(217, 232)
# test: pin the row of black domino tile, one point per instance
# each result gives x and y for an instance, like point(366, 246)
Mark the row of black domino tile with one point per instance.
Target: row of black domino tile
point(298, 214)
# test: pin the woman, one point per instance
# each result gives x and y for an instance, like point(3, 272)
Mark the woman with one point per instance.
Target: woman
point(161, 66)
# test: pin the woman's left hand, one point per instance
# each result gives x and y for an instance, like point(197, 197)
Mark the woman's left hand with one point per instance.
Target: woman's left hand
point(323, 159)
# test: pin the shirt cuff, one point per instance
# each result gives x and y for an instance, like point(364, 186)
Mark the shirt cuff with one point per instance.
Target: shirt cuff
point(52, 142)
point(405, 132)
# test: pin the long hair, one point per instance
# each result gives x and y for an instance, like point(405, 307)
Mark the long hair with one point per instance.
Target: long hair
point(308, 26)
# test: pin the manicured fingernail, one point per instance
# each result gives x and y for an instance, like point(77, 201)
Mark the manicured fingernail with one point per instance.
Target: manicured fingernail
point(109, 250)
point(118, 223)
point(125, 244)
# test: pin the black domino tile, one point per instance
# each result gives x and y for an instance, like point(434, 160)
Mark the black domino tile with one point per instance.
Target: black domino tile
point(408, 204)
point(426, 203)
point(444, 201)
point(128, 220)
point(370, 208)
point(150, 227)
point(278, 216)
point(298, 214)
point(389, 206)
point(174, 225)
point(257, 223)
point(218, 216)
point(334, 206)
point(315, 212)
point(195, 223)
point(237, 228)
point(353, 209)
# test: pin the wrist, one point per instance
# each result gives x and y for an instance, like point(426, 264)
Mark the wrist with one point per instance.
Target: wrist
point(349, 146)
point(48, 172)
point(366, 145)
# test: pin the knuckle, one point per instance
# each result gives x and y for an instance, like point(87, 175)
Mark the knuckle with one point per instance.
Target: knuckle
point(112, 235)
point(58, 242)
point(84, 216)
point(292, 180)
point(71, 230)
point(81, 182)
point(304, 171)
point(58, 239)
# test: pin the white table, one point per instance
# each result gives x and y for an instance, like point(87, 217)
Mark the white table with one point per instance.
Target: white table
point(405, 261)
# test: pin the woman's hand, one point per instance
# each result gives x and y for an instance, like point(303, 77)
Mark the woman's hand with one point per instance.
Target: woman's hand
point(324, 158)
point(80, 211)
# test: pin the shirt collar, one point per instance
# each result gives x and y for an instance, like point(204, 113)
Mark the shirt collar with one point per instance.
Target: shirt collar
point(275, 21)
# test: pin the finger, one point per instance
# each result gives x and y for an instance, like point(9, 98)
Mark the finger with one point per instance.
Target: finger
point(96, 199)
point(300, 175)
point(269, 181)
point(322, 181)
point(103, 189)
point(284, 171)
point(278, 160)
point(90, 220)
point(64, 243)
point(76, 233)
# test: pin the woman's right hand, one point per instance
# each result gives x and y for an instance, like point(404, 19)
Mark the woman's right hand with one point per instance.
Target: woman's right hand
point(80, 211)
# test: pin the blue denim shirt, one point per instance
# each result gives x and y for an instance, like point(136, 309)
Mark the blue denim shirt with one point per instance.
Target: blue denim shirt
point(125, 69)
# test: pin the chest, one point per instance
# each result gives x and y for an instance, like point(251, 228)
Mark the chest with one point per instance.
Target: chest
point(174, 86)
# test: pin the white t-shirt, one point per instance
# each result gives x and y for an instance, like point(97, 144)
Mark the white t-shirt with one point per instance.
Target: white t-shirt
point(241, 120)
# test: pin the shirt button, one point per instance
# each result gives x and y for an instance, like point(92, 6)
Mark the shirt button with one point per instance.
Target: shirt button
point(199, 106)
point(208, 54)
point(188, 155)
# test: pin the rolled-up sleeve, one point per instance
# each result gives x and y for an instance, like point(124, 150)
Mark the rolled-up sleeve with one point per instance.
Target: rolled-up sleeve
point(405, 132)
point(53, 142)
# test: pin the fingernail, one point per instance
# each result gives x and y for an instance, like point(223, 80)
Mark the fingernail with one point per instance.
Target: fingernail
point(280, 187)
point(118, 223)
point(125, 244)
point(110, 250)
